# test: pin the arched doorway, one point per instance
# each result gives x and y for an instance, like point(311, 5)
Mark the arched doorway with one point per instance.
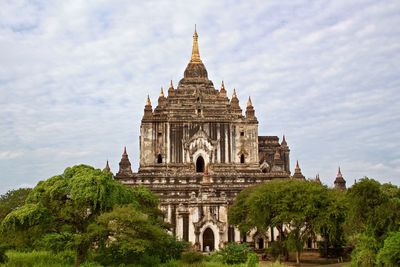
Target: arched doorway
point(208, 240)
point(159, 158)
point(200, 164)
point(242, 158)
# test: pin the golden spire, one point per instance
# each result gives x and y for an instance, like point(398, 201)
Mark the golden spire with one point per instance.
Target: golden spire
point(148, 102)
point(162, 92)
point(171, 85)
point(195, 49)
point(222, 85)
point(249, 104)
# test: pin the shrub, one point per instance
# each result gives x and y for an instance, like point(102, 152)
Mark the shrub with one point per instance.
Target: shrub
point(252, 259)
point(234, 253)
point(191, 257)
point(389, 255)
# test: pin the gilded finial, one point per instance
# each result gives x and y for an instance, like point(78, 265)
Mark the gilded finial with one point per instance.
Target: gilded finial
point(171, 85)
point(195, 49)
point(148, 102)
point(222, 85)
point(162, 92)
point(249, 104)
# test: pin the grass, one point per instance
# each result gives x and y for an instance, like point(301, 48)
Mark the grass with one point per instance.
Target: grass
point(42, 259)
point(66, 259)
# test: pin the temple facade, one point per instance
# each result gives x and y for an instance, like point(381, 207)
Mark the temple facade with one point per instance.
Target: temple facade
point(198, 150)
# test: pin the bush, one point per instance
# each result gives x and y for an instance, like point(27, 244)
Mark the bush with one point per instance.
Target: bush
point(191, 257)
point(364, 253)
point(389, 255)
point(234, 253)
point(252, 259)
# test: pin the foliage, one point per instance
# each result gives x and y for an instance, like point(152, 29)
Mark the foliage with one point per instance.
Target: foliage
point(373, 213)
point(252, 259)
point(125, 235)
point(365, 251)
point(374, 209)
point(191, 257)
point(303, 208)
point(65, 211)
point(12, 200)
point(389, 254)
point(234, 253)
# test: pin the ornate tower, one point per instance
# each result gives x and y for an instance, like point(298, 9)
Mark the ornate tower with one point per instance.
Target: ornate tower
point(340, 182)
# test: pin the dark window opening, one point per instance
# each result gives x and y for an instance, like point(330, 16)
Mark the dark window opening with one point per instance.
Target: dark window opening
point(260, 243)
point(200, 164)
point(242, 158)
point(185, 218)
point(231, 234)
point(242, 133)
point(199, 111)
point(309, 242)
point(159, 158)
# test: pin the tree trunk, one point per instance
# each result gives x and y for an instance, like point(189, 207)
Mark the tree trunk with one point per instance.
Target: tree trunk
point(298, 257)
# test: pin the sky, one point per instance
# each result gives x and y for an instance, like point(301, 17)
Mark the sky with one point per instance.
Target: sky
point(74, 76)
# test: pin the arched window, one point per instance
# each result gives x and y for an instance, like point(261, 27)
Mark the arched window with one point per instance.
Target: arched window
point(200, 164)
point(159, 158)
point(242, 158)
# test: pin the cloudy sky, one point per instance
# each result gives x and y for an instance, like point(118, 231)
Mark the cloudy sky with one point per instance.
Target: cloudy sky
point(74, 76)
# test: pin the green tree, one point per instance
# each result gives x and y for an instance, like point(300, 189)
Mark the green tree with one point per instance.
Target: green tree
point(389, 254)
point(11, 200)
point(374, 209)
point(373, 213)
point(60, 210)
point(125, 235)
point(300, 207)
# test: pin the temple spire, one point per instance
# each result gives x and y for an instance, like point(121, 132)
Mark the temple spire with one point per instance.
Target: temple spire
point(249, 104)
point(234, 93)
point(162, 92)
point(297, 172)
point(107, 168)
point(195, 49)
point(148, 102)
point(284, 143)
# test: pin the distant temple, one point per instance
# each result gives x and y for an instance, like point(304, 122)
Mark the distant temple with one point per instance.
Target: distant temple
point(198, 151)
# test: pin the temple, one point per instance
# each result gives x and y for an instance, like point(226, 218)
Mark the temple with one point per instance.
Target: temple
point(198, 151)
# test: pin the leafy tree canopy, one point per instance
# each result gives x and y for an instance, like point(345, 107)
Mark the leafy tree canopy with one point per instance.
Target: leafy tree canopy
point(63, 211)
point(301, 207)
point(12, 200)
